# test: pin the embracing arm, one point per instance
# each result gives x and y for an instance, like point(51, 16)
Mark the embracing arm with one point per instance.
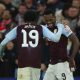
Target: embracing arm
point(53, 36)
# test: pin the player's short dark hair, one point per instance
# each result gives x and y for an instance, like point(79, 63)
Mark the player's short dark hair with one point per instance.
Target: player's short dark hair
point(30, 16)
point(49, 11)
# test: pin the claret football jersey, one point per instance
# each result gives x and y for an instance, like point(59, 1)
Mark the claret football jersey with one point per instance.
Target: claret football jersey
point(29, 45)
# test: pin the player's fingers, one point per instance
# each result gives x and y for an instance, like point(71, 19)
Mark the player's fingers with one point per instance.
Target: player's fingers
point(72, 66)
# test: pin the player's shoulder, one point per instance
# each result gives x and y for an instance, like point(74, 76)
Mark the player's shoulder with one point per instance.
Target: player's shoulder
point(38, 28)
point(23, 26)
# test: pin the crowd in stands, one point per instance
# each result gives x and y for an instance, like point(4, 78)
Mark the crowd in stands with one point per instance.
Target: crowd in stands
point(11, 15)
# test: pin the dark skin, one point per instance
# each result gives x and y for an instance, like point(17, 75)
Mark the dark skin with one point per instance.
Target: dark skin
point(75, 48)
point(50, 19)
point(72, 37)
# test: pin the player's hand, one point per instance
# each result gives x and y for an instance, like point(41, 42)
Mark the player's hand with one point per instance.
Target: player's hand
point(43, 67)
point(72, 64)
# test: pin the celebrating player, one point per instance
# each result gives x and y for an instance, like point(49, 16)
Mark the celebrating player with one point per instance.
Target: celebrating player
point(30, 45)
point(61, 65)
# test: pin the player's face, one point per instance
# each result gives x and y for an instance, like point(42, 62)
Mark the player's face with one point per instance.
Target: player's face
point(49, 19)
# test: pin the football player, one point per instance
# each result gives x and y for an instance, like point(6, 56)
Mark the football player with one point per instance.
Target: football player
point(30, 45)
point(61, 65)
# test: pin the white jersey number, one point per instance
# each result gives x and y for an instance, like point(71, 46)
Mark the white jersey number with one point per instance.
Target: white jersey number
point(34, 37)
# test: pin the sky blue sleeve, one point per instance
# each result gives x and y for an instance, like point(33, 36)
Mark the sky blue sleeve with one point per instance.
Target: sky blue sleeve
point(10, 36)
point(55, 37)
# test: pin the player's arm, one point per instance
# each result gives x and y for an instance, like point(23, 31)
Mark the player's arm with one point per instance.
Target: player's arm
point(10, 36)
point(74, 49)
point(53, 36)
point(75, 44)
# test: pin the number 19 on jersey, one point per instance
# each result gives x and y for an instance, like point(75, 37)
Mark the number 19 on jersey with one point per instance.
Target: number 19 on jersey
point(33, 37)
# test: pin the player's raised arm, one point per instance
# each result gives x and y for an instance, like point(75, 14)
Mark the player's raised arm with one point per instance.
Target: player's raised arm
point(53, 36)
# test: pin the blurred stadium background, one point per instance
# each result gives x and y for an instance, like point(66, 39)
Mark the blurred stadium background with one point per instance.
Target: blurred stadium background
point(11, 15)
